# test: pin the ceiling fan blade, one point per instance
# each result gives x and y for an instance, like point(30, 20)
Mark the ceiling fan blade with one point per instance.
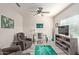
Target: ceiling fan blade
point(45, 12)
point(18, 4)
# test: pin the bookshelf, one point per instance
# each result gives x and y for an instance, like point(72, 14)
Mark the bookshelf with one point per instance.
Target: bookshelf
point(66, 44)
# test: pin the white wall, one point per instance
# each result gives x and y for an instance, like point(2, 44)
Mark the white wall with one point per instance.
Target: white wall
point(71, 14)
point(68, 12)
point(30, 22)
point(6, 34)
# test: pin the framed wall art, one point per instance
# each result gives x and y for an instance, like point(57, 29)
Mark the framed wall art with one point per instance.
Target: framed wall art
point(39, 25)
point(6, 22)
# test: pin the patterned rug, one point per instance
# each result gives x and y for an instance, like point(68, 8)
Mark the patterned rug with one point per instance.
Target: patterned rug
point(44, 50)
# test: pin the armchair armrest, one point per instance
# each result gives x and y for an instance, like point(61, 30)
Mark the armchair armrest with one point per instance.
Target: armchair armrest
point(28, 39)
point(1, 53)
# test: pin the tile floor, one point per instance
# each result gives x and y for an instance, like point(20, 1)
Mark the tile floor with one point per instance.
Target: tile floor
point(31, 50)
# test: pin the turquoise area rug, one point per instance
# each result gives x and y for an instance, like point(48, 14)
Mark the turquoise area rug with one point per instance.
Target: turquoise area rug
point(44, 50)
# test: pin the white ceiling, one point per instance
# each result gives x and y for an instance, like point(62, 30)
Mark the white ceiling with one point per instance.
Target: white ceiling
point(53, 8)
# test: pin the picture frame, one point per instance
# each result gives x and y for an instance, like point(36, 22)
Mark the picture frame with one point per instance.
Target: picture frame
point(39, 25)
point(6, 22)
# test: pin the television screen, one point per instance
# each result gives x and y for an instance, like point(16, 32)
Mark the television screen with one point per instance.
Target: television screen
point(63, 30)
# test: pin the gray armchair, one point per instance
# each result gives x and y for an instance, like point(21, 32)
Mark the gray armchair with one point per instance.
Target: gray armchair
point(20, 39)
point(19, 44)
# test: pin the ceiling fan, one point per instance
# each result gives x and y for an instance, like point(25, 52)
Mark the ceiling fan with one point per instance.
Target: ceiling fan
point(40, 11)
